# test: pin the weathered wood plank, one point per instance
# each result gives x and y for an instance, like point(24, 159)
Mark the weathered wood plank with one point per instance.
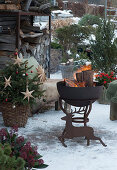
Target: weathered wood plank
point(33, 40)
point(10, 18)
point(8, 47)
point(7, 23)
point(30, 28)
point(31, 35)
point(6, 53)
point(10, 39)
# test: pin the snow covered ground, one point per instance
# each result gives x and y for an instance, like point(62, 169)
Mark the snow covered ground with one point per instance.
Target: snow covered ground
point(43, 130)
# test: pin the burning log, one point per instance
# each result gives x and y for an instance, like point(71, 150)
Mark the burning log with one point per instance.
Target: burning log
point(88, 78)
point(73, 83)
point(79, 77)
point(85, 76)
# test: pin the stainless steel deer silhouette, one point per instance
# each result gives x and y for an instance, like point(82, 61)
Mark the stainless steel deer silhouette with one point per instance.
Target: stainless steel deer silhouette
point(71, 131)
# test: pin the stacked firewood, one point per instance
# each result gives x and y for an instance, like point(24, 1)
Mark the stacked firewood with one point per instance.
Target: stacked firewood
point(26, 5)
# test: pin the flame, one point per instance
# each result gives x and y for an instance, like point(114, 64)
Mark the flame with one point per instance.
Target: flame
point(75, 83)
point(71, 83)
point(82, 68)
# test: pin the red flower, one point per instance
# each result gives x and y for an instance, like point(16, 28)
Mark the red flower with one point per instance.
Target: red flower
point(16, 53)
point(15, 128)
point(26, 74)
point(20, 139)
point(23, 155)
point(105, 82)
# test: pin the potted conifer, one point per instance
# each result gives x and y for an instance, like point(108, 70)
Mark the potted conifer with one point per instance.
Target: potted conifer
point(69, 37)
point(104, 54)
point(17, 92)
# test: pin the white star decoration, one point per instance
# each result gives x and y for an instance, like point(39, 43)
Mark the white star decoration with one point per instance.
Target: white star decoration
point(18, 61)
point(27, 94)
point(7, 82)
point(41, 73)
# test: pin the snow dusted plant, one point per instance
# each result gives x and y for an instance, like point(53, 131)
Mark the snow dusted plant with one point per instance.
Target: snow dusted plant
point(105, 79)
point(21, 148)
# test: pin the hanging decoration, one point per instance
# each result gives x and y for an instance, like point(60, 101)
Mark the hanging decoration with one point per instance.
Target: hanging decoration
point(41, 73)
point(7, 82)
point(28, 94)
point(18, 61)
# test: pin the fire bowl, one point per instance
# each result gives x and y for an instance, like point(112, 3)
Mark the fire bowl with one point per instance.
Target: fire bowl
point(78, 96)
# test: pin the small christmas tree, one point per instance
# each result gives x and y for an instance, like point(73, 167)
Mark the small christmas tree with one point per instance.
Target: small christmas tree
point(16, 86)
point(104, 48)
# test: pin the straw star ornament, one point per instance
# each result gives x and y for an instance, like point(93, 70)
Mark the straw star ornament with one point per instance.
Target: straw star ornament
point(18, 61)
point(41, 73)
point(28, 94)
point(7, 82)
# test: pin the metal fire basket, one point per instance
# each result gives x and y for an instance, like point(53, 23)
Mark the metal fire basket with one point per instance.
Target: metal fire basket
point(82, 98)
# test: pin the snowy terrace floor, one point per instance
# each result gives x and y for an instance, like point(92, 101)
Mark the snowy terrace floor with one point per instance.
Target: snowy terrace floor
point(43, 130)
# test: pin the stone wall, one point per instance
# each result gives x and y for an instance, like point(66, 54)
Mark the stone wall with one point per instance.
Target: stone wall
point(55, 59)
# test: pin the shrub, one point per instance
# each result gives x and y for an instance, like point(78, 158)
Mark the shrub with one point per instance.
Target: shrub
point(70, 37)
point(104, 48)
point(18, 147)
point(8, 162)
point(89, 20)
point(55, 45)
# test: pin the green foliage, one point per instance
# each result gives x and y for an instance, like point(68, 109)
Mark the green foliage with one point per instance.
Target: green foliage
point(55, 45)
point(8, 162)
point(112, 92)
point(70, 36)
point(89, 20)
point(16, 153)
point(19, 83)
point(104, 48)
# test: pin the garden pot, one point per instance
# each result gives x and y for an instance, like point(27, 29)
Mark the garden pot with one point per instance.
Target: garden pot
point(113, 111)
point(67, 71)
point(17, 116)
point(103, 99)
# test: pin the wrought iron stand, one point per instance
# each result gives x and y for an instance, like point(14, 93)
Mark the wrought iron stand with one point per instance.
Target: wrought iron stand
point(71, 131)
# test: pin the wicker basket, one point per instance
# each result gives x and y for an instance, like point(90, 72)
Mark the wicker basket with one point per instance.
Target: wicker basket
point(14, 116)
